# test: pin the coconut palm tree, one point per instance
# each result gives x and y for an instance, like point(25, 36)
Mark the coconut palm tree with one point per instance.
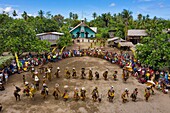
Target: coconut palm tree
point(140, 17)
point(75, 16)
point(127, 15)
point(70, 15)
point(106, 18)
point(14, 13)
point(48, 14)
point(41, 14)
point(25, 15)
point(94, 15)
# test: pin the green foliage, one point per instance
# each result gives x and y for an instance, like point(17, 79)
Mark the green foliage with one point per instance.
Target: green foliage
point(5, 60)
point(19, 37)
point(155, 51)
point(65, 40)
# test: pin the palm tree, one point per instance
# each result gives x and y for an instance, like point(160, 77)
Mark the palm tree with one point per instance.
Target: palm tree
point(140, 17)
point(106, 18)
point(75, 16)
point(94, 15)
point(70, 15)
point(41, 14)
point(25, 15)
point(127, 15)
point(147, 17)
point(48, 14)
point(14, 13)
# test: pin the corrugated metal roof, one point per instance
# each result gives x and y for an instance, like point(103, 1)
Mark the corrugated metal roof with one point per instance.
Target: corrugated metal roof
point(120, 40)
point(55, 33)
point(137, 32)
point(83, 24)
point(113, 39)
point(94, 29)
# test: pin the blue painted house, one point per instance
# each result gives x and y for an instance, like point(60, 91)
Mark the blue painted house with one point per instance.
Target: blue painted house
point(83, 31)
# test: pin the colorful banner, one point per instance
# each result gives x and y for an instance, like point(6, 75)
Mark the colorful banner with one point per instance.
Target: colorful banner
point(54, 49)
point(62, 50)
point(17, 61)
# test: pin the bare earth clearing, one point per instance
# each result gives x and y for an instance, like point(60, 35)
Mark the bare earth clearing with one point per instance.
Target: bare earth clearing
point(158, 103)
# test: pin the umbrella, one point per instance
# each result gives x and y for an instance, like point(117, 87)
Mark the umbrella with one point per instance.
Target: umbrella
point(150, 83)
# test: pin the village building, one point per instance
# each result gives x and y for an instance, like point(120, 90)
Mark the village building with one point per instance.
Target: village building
point(83, 31)
point(135, 35)
point(50, 36)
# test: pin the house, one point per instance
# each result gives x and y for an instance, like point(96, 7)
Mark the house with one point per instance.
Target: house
point(83, 31)
point(111, 41)
point(111, 33)
point(125, 45)
point(50, 36)
point(135, 35)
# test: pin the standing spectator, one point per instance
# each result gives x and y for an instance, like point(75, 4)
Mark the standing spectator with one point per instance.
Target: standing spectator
point(1, 76)
point(6, 77)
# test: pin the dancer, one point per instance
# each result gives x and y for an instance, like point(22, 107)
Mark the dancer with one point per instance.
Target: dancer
point(90, 74)
point(83, 73)
point(111, 94)
point(76, 94)
point(56, 91)
point(74, 73)
point(16, 93)
point(44, 91)
point(134, 94)
point(57, 72)
point(125, 95)
point(147, 93)
point(95, 94)
point(83, 93)
point(67, 73)
point(105, 74)
point(97, 75)
point(65, 94)
point(115, 76)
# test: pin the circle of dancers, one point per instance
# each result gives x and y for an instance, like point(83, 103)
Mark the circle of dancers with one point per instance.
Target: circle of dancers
point(79, 93)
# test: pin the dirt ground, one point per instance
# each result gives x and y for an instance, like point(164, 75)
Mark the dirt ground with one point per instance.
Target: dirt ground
point(158, 103)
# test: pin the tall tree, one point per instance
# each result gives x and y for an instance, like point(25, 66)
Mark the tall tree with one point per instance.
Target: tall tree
point(106, 18)
point(25, 15)
point(155, 52)
point(75, 16)
point(41, 14)
point(14, 13)
point(59, 19)
point(140, 17)
point(94, 15)
point(20, 37)
point(70, 15)
point(127, 15)
point(48, 14)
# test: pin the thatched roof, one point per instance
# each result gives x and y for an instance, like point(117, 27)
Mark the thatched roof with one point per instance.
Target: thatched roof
point(137, 32)
point(126, 44)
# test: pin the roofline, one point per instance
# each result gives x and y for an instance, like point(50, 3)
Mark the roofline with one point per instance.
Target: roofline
point(46, 33)
point(80, 25)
